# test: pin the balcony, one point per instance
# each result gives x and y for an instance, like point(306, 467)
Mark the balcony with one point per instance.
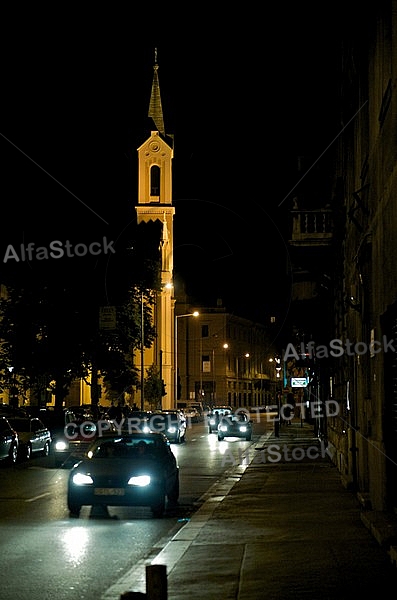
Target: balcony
point(312, 227)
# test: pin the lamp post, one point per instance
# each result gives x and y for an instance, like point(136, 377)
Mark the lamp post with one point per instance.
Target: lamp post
point(246, 355)
point(193, 314)
point(142, 356)
point(13, 394)
point(213, 376)
point(201, 367)
point(278, 389)
point(225, 346)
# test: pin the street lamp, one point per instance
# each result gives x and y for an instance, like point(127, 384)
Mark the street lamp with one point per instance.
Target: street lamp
point(246, 355)
point(193, 314)
point(142, 355)
point(225, 346)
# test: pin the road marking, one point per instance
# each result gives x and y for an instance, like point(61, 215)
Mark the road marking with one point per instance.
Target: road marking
point(38, 497)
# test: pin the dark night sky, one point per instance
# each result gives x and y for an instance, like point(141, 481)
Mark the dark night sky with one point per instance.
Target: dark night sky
point(75, 96)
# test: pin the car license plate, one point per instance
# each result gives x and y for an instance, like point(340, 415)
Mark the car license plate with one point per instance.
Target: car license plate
point(109, 491)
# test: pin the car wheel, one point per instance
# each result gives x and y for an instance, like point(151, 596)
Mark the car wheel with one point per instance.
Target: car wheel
point(28, 452)
point(209, 430)
point(74, 511)
point(46, 449)
point(159, 508)
point(220, 437)
point(74, 508)
point(13, 454)
point(248, 438)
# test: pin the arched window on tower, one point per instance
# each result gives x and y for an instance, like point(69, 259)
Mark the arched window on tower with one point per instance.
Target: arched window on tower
point(155, 181)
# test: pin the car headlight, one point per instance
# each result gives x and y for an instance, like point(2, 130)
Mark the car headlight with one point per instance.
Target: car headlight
point(172, 429)
point(243, 428)
point(82, 479)
point(223, 427)
point(61, 445)
point(139, 480)
point(212, 421)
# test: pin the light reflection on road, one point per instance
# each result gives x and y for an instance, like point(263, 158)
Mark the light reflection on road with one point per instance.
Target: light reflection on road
point(76, 543)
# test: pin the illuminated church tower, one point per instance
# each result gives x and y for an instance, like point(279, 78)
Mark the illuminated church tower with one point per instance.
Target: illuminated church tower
point(155, 204)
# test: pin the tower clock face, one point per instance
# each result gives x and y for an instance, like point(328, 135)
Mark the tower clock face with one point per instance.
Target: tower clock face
point(154, 146)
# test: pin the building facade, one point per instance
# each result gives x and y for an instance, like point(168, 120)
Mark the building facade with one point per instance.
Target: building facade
point(357, 364)
point(365, 435)
point(224, 359)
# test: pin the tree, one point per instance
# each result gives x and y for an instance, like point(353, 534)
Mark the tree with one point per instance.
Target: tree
point(51, 337)
point(153, 387)
point(41, 340)
point(116, 350)
point(49, 321)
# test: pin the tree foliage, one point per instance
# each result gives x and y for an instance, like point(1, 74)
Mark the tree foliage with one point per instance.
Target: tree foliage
point(153, 387)
point(50, 331)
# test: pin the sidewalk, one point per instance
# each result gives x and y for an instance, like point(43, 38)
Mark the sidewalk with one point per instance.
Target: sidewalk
point(280, 526)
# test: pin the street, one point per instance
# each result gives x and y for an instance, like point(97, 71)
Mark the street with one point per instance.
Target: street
point(45, 553)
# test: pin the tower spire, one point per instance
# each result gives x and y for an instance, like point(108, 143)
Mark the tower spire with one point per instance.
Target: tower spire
point(155, 108)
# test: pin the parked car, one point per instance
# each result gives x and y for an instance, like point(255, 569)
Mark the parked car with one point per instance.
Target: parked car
point(80, 427)
point(131, 469)
point(235, 425)
point(34, 436)
point(12, 411)
point(215, 415)
point(170, 422)
point(9, 441)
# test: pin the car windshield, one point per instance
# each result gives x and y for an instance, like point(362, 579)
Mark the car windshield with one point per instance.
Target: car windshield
point(240, 417)
point(85, 429)
point(126, 448)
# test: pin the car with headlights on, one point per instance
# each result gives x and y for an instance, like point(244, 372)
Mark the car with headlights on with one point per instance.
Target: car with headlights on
point(125, 469)
point(215, 415)
point(172, 423)
point(137, 420)
point(34, 436)
point(235, 425)
point(80, 426)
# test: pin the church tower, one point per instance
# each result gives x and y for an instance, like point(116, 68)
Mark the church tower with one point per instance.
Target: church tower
point(155, 204)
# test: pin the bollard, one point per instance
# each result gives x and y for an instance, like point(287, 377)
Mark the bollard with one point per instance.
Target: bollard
point(277, 427)
point(156, 585)
point(156, 582)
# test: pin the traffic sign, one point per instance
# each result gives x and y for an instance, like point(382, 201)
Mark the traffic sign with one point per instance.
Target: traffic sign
point(299, 382)
point(107, 317)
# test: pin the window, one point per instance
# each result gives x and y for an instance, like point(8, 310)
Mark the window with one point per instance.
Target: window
point(206, 365)
point(155, 181)
point(204, 331)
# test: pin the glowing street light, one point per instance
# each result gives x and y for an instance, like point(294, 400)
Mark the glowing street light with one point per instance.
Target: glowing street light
point(246, 355)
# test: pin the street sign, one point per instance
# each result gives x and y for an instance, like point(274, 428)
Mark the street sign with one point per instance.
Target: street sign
point(107, 317)
point(299, 382)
